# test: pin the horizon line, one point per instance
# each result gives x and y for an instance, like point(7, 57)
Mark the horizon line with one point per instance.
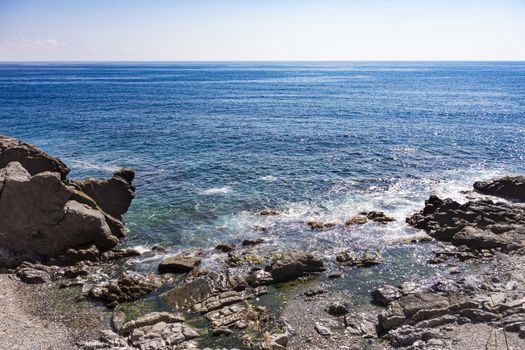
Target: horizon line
point(262, 61)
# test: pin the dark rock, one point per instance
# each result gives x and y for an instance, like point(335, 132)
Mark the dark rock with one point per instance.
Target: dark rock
point(386, 294)
point(292, 265)
point(351, 258)
point(249, 242)
point(269, 213)
point(477, 225)
point(379, 216)
point(226, 247)
point(33, 275)
point(317, 225)
point(506, 187)
point(178, 264)
point(31, 158)
point(356, 220)
point(335, 275)
point(199, 289)
point(114, 196)
point(259, 278)
point(128, 287)
point(337, 309)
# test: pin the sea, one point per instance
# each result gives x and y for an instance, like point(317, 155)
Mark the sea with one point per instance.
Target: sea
point(214, 143)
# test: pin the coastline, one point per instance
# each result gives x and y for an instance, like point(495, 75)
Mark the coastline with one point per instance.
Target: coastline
point(69, 286)
point(45, 317)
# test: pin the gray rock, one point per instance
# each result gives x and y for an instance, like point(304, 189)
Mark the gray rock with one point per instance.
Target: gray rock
point(386, 294)
point(151, 319)
point(31, 158)
point(292, 265)
point(178, 264)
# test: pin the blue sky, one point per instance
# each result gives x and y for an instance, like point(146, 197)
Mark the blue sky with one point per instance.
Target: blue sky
point(261, 30)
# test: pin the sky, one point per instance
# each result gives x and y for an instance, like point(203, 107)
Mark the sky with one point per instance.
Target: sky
point(258, 30)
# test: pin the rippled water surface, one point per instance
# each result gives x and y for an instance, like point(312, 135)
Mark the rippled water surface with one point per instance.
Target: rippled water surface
point(214, 143)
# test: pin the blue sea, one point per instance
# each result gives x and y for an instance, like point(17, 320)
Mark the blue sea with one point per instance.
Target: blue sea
point(214, 143)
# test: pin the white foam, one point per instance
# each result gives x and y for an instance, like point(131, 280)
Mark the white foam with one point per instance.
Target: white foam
point(80, 164)
point(269, 178)
point(216, 190)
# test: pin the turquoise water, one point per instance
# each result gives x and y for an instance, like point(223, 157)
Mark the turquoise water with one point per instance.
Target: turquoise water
point(213, 143)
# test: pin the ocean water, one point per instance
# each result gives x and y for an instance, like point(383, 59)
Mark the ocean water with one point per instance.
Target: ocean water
point(214, 143)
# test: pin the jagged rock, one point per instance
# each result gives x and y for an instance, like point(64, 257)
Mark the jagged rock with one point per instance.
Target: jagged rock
point(259, 278)
point(337, 309)
point(269, 213)
point(356, 220)
point(478, 225)
point(42, 215)
point(357, 325)
point(226, 248)
point(37, 216)
point(386, 294)
point(128, 287)
point(506, 187)
point(351, 258)
point(292, 265)
point(33, 275)
point(178, 264)
point(379, 216)
point(31, 158)
point(114, 195)
point(201, 288)
point(226, 316)
point(317, 225)
point(249, 242)
point(275, 342)
point(223, 299)
point(150, 320)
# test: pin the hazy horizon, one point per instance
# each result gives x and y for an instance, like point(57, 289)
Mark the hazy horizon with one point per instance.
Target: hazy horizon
point(261, 31)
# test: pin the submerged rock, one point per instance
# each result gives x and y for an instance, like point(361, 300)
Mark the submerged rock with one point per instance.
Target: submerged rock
point(318, 225)
point(356, 220)
point(379, 216)
point(351, 258)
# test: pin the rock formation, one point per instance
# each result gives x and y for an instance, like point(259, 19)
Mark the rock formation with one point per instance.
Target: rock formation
point(43, 217)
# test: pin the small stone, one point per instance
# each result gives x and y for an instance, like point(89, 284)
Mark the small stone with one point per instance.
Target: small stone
point(322, 330)
point(337, 309)
point(249, 242)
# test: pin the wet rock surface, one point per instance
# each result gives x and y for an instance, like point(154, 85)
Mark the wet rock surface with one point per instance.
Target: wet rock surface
point(506, 187)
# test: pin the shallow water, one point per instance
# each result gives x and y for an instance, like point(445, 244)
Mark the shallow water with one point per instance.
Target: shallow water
point(213, 143)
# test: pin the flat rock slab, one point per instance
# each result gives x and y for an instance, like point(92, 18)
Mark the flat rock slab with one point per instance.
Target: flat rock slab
point(178, 264)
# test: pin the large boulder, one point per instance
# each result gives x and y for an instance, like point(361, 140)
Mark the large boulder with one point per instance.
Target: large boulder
point(292, 265)
point(45, 218)
point(114, 195)
point(31, 158)
point(37, 215)
point(506, 187)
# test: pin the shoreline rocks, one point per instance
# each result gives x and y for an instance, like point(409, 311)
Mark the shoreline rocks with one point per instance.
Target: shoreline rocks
point(43, 215)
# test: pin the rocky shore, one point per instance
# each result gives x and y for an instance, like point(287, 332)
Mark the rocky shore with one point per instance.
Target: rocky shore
point(67, 285)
